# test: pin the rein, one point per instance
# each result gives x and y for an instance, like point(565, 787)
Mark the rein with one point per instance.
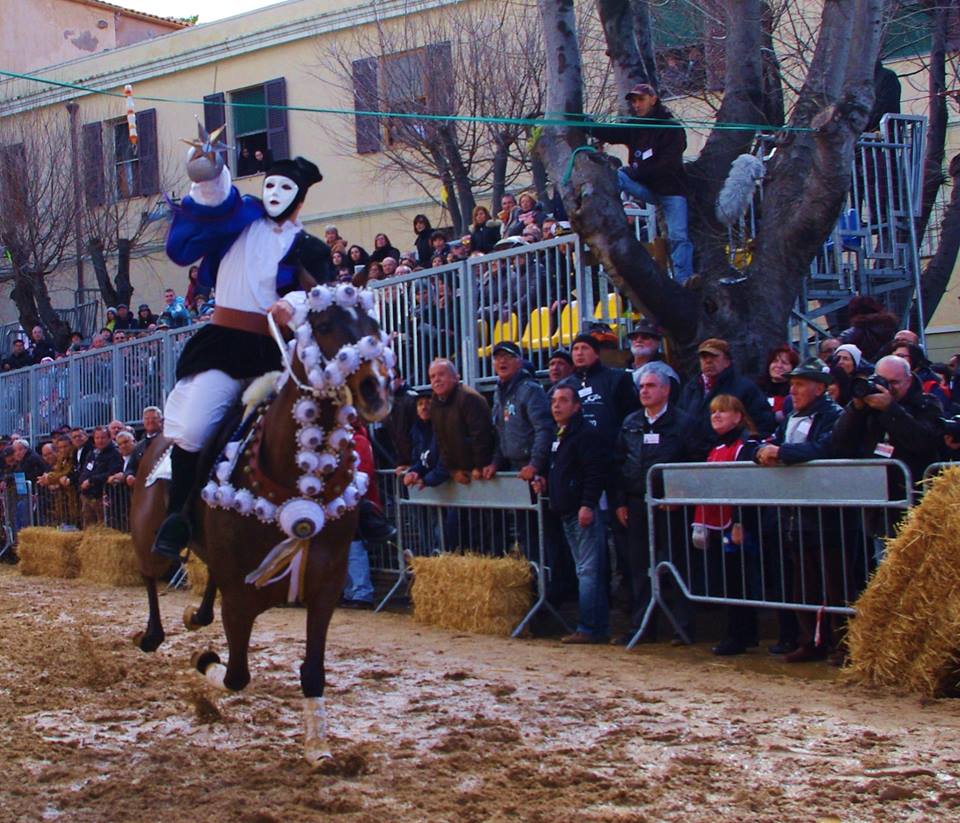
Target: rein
point(330, 484)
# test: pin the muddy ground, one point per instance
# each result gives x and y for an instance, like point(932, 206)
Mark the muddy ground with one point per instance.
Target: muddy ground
point(429, 725)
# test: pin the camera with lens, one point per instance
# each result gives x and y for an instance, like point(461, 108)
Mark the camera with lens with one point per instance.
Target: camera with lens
point(951, 427)
point(861, 387)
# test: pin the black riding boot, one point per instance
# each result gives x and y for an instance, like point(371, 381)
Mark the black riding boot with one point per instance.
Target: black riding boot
point(174, 533)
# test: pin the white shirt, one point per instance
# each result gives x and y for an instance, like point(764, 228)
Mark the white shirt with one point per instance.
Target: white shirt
point(657, 416)
point(247, 276)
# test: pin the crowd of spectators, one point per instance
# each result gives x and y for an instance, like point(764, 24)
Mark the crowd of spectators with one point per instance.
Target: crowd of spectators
point(81, 478)
point(588, 436)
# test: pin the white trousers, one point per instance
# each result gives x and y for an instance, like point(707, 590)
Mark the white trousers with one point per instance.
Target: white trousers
point(196, 406)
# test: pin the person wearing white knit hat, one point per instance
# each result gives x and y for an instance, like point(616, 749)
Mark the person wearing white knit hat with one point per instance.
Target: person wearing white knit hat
point(848, 357)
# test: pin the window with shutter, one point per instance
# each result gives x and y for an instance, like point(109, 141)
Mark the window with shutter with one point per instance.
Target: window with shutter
point(93, 177)
point(148, 152)
point(278, 143)
point(366, 98)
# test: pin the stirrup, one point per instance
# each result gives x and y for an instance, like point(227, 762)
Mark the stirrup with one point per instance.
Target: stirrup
point(172, 536)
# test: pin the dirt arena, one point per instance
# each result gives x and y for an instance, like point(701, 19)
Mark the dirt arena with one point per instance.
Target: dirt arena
point(429, 725)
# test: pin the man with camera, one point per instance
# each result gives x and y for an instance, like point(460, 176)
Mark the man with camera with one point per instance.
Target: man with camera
point(890, 416)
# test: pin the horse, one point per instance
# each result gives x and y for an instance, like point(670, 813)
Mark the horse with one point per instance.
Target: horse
point(338, 357)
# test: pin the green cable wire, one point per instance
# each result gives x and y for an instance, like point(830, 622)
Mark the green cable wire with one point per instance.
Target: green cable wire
point(569, 171)
point(550, 119)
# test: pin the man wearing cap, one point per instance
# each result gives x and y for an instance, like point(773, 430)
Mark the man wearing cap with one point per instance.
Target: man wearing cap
point(718, 376)
point(254, 252)
point(607, 395)
point(806, 434)
point(124, 320)
point(521, 417)
point(644, 340)
point(654, 170)
point(807, 431)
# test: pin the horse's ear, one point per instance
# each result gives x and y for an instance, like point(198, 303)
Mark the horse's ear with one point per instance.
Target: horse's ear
point(307, 280)
point(360, 278)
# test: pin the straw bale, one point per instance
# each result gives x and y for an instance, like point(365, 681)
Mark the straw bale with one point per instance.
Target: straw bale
point(197, 573)
point(906, 633)
point(49, 552)
point(470, 592)
point(107, 556)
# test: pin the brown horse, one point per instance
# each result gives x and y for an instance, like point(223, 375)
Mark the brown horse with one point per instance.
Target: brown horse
point(302, 432)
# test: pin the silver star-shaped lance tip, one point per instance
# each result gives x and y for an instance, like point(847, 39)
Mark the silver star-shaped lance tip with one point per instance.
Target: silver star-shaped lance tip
point(207, 144)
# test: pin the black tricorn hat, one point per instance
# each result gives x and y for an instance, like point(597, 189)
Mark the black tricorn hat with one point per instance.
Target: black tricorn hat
point(300, 170)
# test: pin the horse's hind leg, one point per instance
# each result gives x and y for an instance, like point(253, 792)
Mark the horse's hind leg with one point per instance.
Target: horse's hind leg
point(202, 615)
point(237, 624)
point(313, 678)
point(150, 639)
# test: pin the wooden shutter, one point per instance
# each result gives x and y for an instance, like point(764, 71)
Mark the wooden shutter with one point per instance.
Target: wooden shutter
point(94, 184)
point(215, 113)
point(278, 141)
point(439, 78)
point(366, 98)
point(149, 159)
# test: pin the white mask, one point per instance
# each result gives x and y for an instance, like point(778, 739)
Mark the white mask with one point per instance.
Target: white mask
point(278, 193)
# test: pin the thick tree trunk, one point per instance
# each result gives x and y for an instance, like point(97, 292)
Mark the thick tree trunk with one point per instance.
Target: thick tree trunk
point(461, 180)
point(122, 282)
point(500, 158)
point(936, 276)
point(937, 119)
point(99, 262)
point(624, 22)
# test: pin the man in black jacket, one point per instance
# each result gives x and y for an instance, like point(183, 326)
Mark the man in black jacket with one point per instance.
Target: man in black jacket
point(19, 357)
point(897, 421)
point(718, 376)
point(658, 433)
point(807, 545)
point(577, 476)
point(654, 171)
point(607, 395)
point(102, 461)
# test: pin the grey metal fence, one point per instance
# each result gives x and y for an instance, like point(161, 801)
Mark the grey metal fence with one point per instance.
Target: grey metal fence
point(494, 517)
point(803, 538)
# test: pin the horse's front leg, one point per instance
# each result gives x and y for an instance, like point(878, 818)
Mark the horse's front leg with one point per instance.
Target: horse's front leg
point(320, 606)
point(237, 614)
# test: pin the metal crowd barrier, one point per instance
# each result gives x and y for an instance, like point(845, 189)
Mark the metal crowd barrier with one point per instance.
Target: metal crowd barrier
point(16, 511)
point(810, 535)
point(932, 471)
point(490, 517)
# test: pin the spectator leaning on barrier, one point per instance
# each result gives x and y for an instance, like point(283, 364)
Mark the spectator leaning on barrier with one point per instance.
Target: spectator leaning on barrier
point(718, 376)
point(28, 462)
point(152, 426)
point(102, 461)
point(126, 445)
point(579, 461)
point(425, 468)
point(521, 416)
point(657, 433)
point(48, 451)
point(810, 534)
point(461, 423)
point(891, 417)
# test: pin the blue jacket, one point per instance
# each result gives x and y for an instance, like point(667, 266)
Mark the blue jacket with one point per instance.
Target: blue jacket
point(426, 455)
point(205, 233)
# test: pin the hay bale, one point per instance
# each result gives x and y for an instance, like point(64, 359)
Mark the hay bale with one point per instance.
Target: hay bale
point(906, 633)
point(107, 556)
point(472, 593)
point(197, 573)
point(48, 552)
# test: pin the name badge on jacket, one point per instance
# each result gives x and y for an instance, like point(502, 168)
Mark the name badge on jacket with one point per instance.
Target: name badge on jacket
point(651, 439)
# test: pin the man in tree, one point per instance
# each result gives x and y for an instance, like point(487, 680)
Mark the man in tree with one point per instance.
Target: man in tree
point(654, 171)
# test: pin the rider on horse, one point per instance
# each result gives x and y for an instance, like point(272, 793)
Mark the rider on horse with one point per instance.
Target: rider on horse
point(252, 251)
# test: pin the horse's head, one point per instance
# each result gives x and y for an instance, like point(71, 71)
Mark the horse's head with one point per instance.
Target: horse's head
point(340, 344)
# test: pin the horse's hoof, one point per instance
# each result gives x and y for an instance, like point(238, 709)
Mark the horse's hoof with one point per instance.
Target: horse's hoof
point(202, 660)
point(215, 674)
point(190, 619)
point(148, 642)
point(318, 753)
